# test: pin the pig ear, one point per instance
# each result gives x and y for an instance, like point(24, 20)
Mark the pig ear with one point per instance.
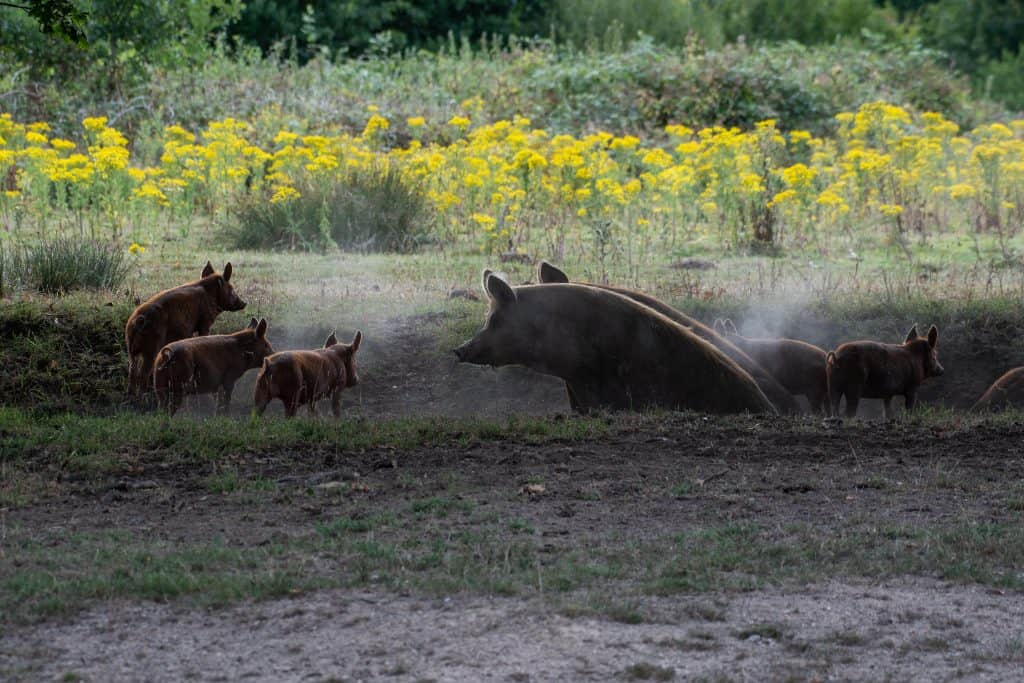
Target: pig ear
point(483, 281)
point(933, 336)
point(227, 272)
point(208, 270)
point(912, 335)
point(718, 326)
point(331, 341)
point(356, 340)
point(261, 328)
point(550, 274)
point(730, 327)
point(499, 290)
point(253, 322)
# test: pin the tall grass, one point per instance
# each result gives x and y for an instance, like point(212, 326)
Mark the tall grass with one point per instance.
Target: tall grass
point(63, 265)
point(368, 210)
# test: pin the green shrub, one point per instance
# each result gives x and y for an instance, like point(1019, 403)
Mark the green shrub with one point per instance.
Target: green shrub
point(62, 265)
point(368, 210)
point(636, 89)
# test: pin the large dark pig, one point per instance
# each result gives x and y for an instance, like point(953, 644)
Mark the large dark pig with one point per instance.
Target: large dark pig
point(782, 399)
point(1005, 392)
point(797, 365)
point(210, 364)
point(175, 314)
point(305, 377)
point(612, 352)
point(870, 369)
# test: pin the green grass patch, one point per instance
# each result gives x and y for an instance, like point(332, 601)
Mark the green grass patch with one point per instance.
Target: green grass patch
point(63, 265)
point(105, 444)
point(41, 579)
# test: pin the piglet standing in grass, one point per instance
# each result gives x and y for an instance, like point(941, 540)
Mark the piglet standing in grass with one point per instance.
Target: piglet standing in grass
point(174, 314)
point(210, 364)
point(870, 369)
point(305, 377)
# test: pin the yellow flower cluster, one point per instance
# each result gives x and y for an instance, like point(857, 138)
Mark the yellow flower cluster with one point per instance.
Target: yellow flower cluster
point(509, 182)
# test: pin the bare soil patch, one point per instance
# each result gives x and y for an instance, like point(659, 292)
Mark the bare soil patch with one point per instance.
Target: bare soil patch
point(902, 630)
point(650, 477)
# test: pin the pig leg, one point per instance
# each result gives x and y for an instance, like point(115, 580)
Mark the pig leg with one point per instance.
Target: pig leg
point(852, 400)
point(835, 395)
point(162, 391)
point(146, 373)
point(819, 399)
point(133, 372)
point(312, 409)
point(225, 399)
point(290, 408)
point(887, 407)
point(336, 403)
point(174, 401)
point(261, 399)
point(910, 400)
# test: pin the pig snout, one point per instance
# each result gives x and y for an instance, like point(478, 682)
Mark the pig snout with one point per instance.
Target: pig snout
point(468, 352)
point(939, 370)
point(238, 304)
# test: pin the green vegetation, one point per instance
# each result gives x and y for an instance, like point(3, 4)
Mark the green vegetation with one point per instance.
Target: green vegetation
point(64, 264)
point(47, 581)
point(367, 210)
point(104, 445)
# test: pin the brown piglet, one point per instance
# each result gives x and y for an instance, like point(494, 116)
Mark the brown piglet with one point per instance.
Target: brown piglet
point(305, 377)
point(175, 314)
point(870, 369)
point(798, 366)
point(210, 364)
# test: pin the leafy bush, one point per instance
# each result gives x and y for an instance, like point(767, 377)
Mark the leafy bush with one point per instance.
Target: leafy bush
point(62, 265)
point(562, 90)
point(355, 27)
point(368, 210)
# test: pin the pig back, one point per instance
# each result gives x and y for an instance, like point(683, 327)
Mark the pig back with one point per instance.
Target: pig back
point(631, 356)
point(1007, 391)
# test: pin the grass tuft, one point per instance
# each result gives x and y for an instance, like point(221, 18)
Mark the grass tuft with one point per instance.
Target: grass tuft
point(368, 210)
point(64, 265)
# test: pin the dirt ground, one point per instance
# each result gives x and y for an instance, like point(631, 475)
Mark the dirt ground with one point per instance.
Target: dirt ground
point(650, 478)
point(773, 472)
point(904, 630)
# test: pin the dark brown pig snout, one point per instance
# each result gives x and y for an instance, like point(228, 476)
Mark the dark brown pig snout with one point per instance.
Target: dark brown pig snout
point(473, 351)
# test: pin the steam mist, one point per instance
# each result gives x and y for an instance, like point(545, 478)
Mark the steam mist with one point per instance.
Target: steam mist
point(405, 363)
